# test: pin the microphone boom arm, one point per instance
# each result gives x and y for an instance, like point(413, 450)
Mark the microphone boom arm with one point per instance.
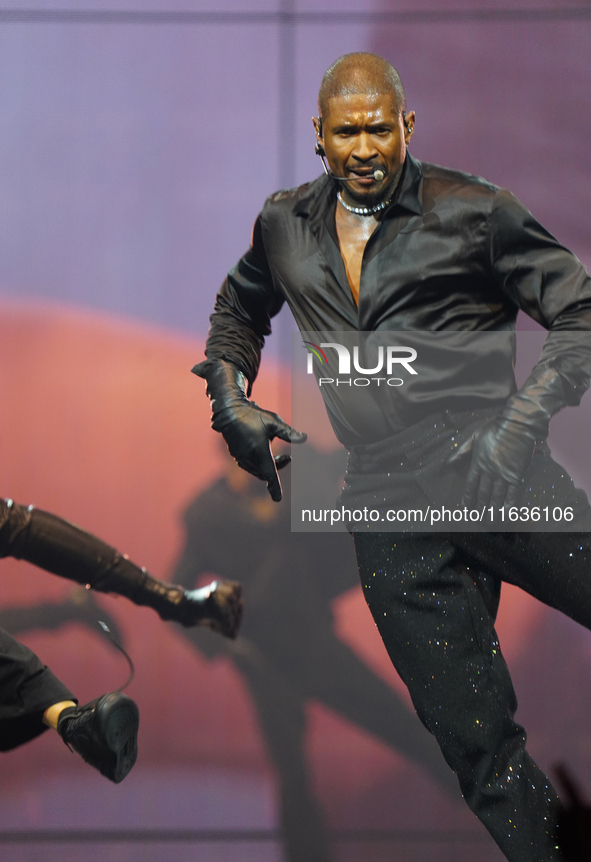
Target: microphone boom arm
point(378, 175)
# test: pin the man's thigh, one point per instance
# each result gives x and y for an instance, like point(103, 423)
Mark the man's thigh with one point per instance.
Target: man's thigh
point(553, 567)
point(549, 502)
point(435, 623)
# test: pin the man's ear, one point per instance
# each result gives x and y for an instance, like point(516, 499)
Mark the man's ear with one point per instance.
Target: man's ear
point(319, 149)
point(409, 126)
point(317, 127)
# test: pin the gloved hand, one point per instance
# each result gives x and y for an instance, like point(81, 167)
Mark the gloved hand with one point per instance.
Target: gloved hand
point(217, 606)
point(503, 449)
point(501, 453)
point(246, 427)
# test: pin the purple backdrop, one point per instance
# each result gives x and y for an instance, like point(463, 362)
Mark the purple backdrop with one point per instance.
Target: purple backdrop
point(135, 155)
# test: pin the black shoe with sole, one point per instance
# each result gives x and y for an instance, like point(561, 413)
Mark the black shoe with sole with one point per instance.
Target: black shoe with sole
point(104, 733)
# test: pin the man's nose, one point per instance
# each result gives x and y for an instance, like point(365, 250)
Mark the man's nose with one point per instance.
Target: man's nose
point(364, 148)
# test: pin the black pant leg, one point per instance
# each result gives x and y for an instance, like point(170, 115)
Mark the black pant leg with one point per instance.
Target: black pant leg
point(438, 628)
point(27, 688)
point(553, 567)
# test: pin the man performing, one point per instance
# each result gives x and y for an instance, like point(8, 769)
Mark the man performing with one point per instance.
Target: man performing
point(404, 245)
point(104, 731)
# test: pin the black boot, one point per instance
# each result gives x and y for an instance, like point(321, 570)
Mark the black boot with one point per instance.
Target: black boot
point(104, 733)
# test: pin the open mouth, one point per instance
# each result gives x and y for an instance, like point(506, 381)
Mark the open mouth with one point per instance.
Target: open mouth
point(365, 176)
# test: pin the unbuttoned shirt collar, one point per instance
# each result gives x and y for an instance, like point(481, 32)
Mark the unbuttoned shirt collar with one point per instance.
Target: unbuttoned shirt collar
point(320, 197)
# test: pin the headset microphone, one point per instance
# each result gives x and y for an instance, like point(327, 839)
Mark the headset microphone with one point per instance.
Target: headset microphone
point(378, 175)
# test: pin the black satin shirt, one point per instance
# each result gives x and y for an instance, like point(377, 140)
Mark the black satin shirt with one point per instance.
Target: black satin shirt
point(451, 253)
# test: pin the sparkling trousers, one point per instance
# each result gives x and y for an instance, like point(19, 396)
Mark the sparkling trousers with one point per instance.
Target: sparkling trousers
point(434, 599)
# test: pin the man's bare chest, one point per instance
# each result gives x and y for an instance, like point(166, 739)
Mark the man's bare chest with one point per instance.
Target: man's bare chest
point(353, 233)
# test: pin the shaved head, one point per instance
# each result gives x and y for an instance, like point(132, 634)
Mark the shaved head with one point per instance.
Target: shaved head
point(361, 73)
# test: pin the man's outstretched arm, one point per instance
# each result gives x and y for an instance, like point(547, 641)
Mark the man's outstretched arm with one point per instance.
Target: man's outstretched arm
point(239, 324)
point(62, 548)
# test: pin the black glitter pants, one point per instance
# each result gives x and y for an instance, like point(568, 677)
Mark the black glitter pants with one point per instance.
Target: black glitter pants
point(434, 599)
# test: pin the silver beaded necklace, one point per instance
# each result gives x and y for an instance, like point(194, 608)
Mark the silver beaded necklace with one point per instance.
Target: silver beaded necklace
point(363, 211)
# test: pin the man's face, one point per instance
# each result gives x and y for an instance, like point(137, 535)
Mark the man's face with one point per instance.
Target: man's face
point(360, 133)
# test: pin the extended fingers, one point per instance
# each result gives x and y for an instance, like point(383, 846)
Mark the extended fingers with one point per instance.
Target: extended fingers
point(514, 494)
point(276, 427)
point(268, 472)
point(483, 488)
point(471, 485)
point(265, 468)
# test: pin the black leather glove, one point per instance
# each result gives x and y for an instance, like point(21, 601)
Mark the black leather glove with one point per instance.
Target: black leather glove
point(501, 453)
point(246, 428)
point(503, 449)
point(218, 606)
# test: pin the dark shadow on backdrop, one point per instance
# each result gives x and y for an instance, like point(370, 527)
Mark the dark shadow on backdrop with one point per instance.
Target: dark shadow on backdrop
point(287, 652)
